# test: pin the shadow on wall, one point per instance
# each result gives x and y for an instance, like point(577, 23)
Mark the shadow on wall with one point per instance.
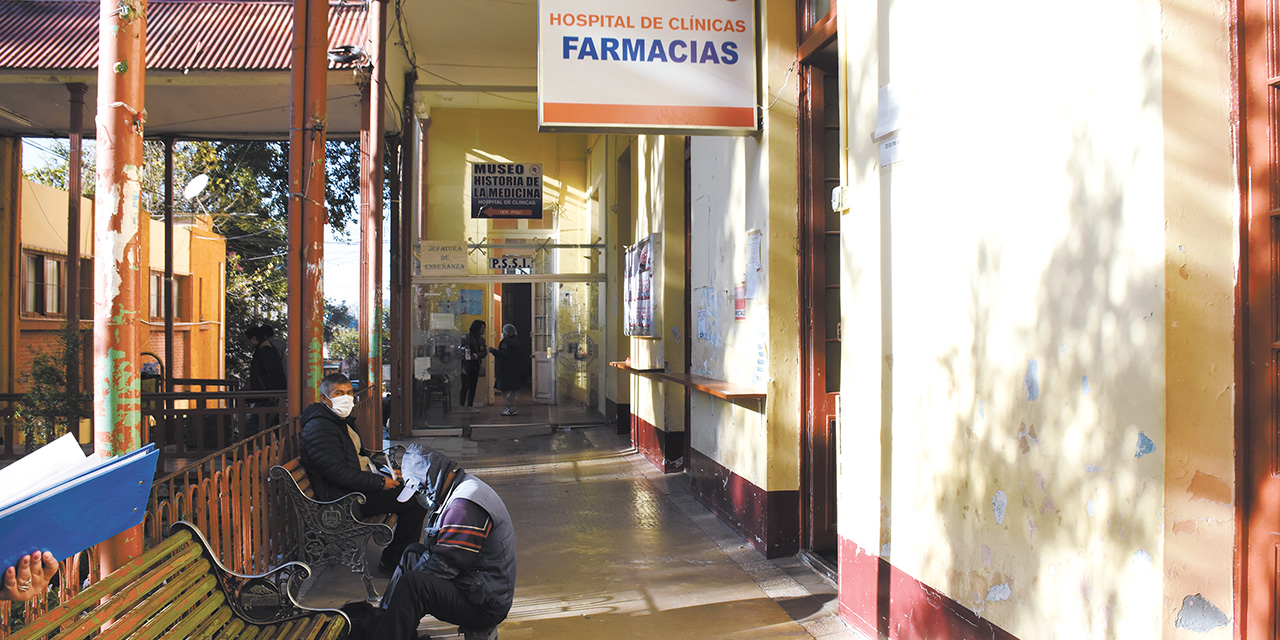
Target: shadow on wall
point(1064, 482)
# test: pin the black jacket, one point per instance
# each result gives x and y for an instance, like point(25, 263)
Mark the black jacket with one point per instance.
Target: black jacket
point(266, 369)
point(330, 458)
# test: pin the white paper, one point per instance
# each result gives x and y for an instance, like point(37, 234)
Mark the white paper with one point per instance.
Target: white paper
point(889, 116)
point(443, 321)
point(891, 150)
point(754, 237)
point(47, 466)
point(422, 368)
point(752, 282)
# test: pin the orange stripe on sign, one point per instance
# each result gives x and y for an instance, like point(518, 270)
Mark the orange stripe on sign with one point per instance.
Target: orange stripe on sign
point(660, 115)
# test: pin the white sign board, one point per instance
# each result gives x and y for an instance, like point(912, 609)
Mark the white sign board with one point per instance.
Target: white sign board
point(664, 65)
point(442, 258)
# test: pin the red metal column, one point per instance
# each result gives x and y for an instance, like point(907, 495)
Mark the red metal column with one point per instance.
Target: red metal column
point(74, 189)
point(307, 215)
point(371, 140)
point(116, 370)
point(395, 355)
point(169, 311)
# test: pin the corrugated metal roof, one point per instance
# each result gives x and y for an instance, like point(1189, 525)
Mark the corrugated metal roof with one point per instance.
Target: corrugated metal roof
point(238, 35)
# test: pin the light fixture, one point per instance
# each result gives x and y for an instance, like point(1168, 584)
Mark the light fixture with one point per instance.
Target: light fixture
point(16, 118)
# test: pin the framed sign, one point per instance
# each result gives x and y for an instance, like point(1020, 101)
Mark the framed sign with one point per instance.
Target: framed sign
point(666, 66)
point(638, 289)
point(506, 190)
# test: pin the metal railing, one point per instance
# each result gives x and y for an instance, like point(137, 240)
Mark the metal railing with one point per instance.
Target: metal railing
point(226, 493)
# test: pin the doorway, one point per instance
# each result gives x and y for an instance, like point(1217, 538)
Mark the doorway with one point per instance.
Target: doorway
point(558, 321)
point(819, 282)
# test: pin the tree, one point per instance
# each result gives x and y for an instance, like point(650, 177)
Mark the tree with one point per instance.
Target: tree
point(49, 404)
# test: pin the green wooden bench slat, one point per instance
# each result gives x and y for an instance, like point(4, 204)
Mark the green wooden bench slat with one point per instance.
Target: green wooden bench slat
point(221, 619)
point(111, 593)
point(163, 607)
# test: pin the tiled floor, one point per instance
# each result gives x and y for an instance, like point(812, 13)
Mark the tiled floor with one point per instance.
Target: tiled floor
point(610, 548)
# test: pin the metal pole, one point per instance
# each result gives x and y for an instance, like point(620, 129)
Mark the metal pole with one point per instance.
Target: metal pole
point(74, 188)
point(397, 353)
point(371, 161)
point(402, 303)
point(169, 310)
point(121, 117)
point(306, 206)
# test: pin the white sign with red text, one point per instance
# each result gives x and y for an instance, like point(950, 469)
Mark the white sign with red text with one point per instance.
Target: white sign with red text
point(659, 65)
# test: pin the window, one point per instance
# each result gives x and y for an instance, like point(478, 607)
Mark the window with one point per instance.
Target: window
point(43, 284)
point(157, 295)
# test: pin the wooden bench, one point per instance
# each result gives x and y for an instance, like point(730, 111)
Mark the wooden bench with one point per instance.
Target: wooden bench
point(330, 533)
point(180, 590)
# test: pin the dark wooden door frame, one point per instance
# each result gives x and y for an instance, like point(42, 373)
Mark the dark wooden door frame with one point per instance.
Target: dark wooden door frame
point(1258, 491)
point(817, 517)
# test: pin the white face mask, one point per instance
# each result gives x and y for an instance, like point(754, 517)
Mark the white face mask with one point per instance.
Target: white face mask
point(342, 405)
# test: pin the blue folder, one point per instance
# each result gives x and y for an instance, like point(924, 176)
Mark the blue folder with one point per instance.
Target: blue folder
point(81, 512)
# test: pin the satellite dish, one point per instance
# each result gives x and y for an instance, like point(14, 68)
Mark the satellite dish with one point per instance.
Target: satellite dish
point(196, 186)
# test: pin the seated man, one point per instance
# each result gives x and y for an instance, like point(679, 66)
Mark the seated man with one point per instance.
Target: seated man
point(466, 572)
point(337, 465)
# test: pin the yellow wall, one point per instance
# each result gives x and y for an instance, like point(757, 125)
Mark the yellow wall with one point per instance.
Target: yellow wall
point(1038, 323)
point(739, 185)
point(658, 173)
point(44, 219)
point(1200, 278)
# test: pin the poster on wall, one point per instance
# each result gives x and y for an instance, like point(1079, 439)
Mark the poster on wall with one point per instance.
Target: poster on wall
point(669, 66)
point(638, 289)
point(506, 190)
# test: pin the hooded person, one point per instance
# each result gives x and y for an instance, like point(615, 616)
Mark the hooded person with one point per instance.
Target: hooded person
point(337, 465)
point(465, 574)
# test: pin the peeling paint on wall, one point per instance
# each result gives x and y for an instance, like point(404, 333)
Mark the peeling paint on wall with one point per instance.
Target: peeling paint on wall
point(999, 593)
point(1084, 386)
point(1200, 615)
point(1209, 489)
point(998, 505)
point(1033, 380)
point(1145, 445)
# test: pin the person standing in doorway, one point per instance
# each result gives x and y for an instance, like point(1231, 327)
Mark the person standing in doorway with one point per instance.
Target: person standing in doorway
point(266, 373)
point(507, 368)
point(474, 351)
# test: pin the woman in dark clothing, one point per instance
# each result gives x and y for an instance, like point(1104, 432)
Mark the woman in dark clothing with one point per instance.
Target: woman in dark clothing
point(507, 368)
point(474, 351)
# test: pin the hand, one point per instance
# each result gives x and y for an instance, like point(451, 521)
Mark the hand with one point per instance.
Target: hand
point(29, 577)
point(390, 483)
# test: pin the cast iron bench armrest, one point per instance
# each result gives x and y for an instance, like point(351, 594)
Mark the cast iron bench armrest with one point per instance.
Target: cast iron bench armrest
point(330, 533)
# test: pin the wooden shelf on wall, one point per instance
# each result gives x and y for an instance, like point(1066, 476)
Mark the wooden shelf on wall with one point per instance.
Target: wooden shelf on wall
point(718, 388)
point(626, 367)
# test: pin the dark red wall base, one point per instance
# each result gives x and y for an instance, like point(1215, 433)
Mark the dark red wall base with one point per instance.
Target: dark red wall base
point(769, 520)
point(664, 450)
point(876, 598)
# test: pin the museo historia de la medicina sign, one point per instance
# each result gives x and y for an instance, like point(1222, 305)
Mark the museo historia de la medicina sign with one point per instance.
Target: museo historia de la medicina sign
point(659, 65)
